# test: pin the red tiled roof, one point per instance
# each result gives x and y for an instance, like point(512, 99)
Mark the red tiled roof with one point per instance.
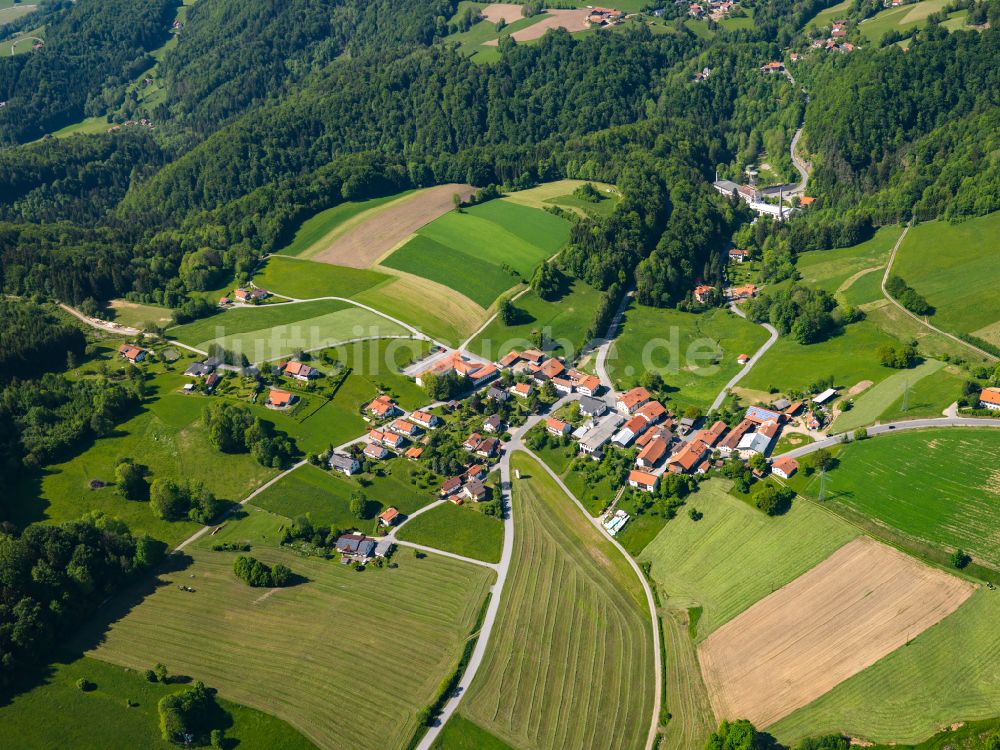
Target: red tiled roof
point(786, 465)
point(634, 397)
point(990, 396)
point(654, 451)
point(642, 477)
point(278, 397)
point(388, 514)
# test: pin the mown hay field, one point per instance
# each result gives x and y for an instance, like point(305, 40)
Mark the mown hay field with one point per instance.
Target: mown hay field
point(570, 661)
point(940, 486)
point(945, 263)
point(462, 529)
point(860, 604)
point(347, 658)
point(735, 555)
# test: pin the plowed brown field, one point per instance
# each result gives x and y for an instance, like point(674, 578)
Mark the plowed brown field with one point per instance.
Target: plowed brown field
point(861, 603)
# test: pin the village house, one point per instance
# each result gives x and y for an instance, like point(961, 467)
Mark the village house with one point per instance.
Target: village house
point(743, 359)
point(474, 490)
point(299, 370)
point(758, 442)
point(488, 448)
point(279, 399)
point(643, 480)
point(450, 487)
point(634, 427)
point(476, 471)
point(509, 360)
point(497, 394)
point(425, 419)
point(533, 356)
point(785, 467)
point(477, 373)
point(695, 10)
point(600, 435)
point(404, 427)
point(343, 463)
point(250, 295)
point(731, 442)
point(759, 415)
point(652, 411)
point(493, 423)
point(738, 255)
point(472, 442)
point(773, 67)
point(522, 390)
point(592, 407)
point(388, 517)
point(702, 293)
point(989, 398)
point(652, 454)
point(202, 369)
point(588, 385)
point(384, 407)
point(355, 547)
point(132, 353)
point(553, 368)
point(687, 459)
point(414, 452)
point(631, 400)
point(562, 385)
point(376, 451)
point(745, 291)
point(557, 427)
point(211, 381)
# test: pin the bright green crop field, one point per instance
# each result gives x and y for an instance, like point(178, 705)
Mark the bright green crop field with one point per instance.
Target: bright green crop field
point(461, 529)
point(305, 279)
point(288, 651)
point(900, 698)
point(945, 263)
point(474, 252)
point(940, 486)
point(564, 321)
point(56, 713)
point(572, 644)
point(695, 352)
point(735, 555)
point(320, 230)
point(270, 332)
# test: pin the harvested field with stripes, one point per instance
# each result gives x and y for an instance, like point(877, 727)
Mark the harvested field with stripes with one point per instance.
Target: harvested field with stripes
point(570, 661)
point(860, 604)
point(347, 658)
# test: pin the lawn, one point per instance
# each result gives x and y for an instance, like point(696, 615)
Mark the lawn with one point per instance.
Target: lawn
point(379, 363)
point(325, 496)
point(272, 332)
point(461, 734)
point(900, 698)
point(56, 713)
point(570, 662)
point(462, 529)
point(477, 252)
point(563, 321)
point(944, 263)
point(940, 486)
point(695, 352)
point(303, 279)
point(594, 497)
point(735, 555)
point(317, 232)
point(166, 435)
point(137, 315)
point(838, 271)
point(848, 358)
point(900, 18)
point(872, 403)
point(347, 658)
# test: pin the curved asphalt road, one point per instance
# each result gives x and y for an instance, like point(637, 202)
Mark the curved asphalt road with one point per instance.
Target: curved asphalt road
point(753, 360)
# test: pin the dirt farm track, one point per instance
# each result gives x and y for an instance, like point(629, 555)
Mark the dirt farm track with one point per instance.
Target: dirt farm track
point(861, 603)
point(369, 240)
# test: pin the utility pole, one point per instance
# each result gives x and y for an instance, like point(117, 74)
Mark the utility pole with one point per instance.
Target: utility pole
point(906, 396)
point(822, 484)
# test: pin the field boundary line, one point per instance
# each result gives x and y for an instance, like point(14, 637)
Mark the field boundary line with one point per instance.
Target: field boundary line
point(885, 293)
point(650, 601)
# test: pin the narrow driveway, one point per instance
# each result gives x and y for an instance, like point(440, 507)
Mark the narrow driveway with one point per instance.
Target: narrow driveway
point(749, 365)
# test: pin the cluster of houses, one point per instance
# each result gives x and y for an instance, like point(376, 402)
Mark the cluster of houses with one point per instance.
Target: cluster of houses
point(140, 123)
point(716, 9)
point(604, 16)
point(538, 368)
point(246, 296)
point(464, 366)
point(466, 486)
point(836, 40)
point(207, 369)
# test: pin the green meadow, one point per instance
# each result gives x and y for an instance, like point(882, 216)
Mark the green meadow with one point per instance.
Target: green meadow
point(945, 263)
point(694, 352)
point(572, 641)
point(478, 252)
point(318, 231)
point(271, 332)
point(901, 698)
point(875, 401)
point(735, 555)
point(848, 357)
point(56, 713)
point(461, 529)
point(939, 486)
point(928, 397)
point(900, 18)
point(461, 734)
point(564, 321)
point(304, 279)
point(347, 658)
point(826, 16)
point(839, 271)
